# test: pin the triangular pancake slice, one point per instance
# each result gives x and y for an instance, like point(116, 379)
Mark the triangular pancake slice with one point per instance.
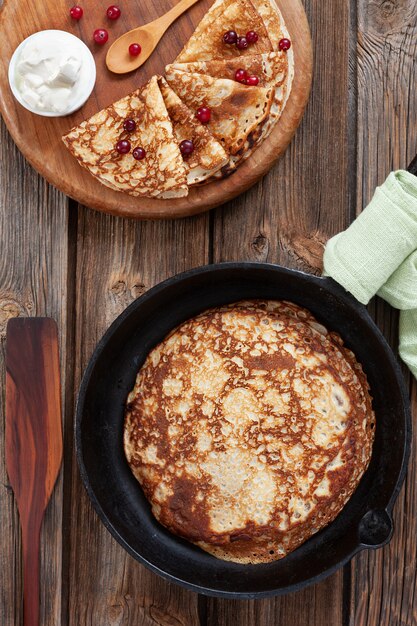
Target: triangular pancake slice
point(161, 174)
point(236, 110)
point(272, 19)
point(271, 68)
point(209, 156)
point(207, 40)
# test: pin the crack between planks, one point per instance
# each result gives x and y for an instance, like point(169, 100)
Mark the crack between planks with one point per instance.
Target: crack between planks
point(347, 595)
point(353, 130)
point(202, 610)
point(353, 140)
point(69, 396)
point(211, 218)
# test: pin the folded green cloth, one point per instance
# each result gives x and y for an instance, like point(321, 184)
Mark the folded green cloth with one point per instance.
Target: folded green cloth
point(377, 254)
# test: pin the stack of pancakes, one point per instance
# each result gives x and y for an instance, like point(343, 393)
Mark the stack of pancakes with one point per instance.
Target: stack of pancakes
point(249, 428)
point(203, 75)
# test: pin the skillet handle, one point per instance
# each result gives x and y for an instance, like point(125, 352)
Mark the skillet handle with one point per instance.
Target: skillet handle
point(376, 528)
point(412, 168)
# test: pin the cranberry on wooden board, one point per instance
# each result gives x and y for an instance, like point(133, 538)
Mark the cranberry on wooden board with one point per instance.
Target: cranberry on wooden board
point(135, 49)
point(113, 12)
point(100, 36)
point(76, 12)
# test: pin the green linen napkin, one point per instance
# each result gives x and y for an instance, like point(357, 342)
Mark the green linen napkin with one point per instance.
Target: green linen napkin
point(377, 254)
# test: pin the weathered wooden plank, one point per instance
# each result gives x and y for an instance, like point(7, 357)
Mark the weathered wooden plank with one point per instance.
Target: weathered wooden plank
point(33, 281)
point(384, 582)
point(320, 604)
point(117, 260)
point(306, 198)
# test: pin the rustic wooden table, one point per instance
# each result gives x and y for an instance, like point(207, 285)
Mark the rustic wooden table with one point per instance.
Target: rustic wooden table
point(83, 268)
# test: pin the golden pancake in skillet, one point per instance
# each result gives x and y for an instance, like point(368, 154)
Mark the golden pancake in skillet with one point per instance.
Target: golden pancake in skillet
point(249, 428)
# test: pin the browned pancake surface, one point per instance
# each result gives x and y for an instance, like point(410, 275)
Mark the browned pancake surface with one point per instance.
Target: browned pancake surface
point(93, 144)
point(249, 428)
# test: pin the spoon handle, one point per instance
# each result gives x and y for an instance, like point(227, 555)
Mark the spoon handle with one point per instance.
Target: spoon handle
point(166, 20)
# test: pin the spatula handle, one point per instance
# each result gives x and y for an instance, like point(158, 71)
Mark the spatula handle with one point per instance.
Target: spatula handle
point(30, 548)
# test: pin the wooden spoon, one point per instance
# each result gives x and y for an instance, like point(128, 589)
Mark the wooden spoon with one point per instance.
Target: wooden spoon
point(148, 36)
point(33, 436)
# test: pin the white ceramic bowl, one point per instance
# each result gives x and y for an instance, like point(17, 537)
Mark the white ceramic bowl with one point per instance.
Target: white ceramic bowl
point(86, 80)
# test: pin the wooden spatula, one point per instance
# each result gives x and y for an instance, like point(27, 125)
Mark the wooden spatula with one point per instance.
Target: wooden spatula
point(33, 436)
point(119, 60)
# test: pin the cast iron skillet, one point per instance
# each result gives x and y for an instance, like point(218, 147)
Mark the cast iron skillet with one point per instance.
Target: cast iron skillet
point(366, 520)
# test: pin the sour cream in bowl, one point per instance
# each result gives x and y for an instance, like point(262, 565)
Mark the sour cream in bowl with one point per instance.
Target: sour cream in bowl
point(52, 73)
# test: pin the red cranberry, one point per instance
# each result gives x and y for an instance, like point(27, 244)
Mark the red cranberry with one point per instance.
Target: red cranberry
point(139, 154)
point(252, 81)
point(204, 115)
point(242, 43)
point(252, 36)
point(284, 44)
point(101, 35)
point(135, 49)
point(186, 147)
point(230, 37)
point(129, 125)
point(123, 146)
point(241, 76)
point(113, 12)
point(76, 12)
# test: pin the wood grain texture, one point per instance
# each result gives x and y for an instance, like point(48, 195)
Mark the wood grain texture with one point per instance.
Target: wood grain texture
point(33, 447)
point(384, 582)
point(106, 586)
point(33, 281)
point(84, 268)
point(149, 35)
point(39, 138)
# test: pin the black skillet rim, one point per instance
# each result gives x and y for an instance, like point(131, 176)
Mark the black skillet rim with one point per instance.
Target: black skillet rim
point(324, 282)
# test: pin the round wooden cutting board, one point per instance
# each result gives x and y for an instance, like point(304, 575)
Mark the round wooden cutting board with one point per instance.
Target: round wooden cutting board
point(39, 138)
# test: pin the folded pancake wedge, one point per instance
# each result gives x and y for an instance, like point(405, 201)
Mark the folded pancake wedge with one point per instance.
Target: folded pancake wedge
point(209, 155)
point(274, 68)
point(236, 110)
point(207, 40)
point(272, 19)
point(271, 68)
point(160, 174)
